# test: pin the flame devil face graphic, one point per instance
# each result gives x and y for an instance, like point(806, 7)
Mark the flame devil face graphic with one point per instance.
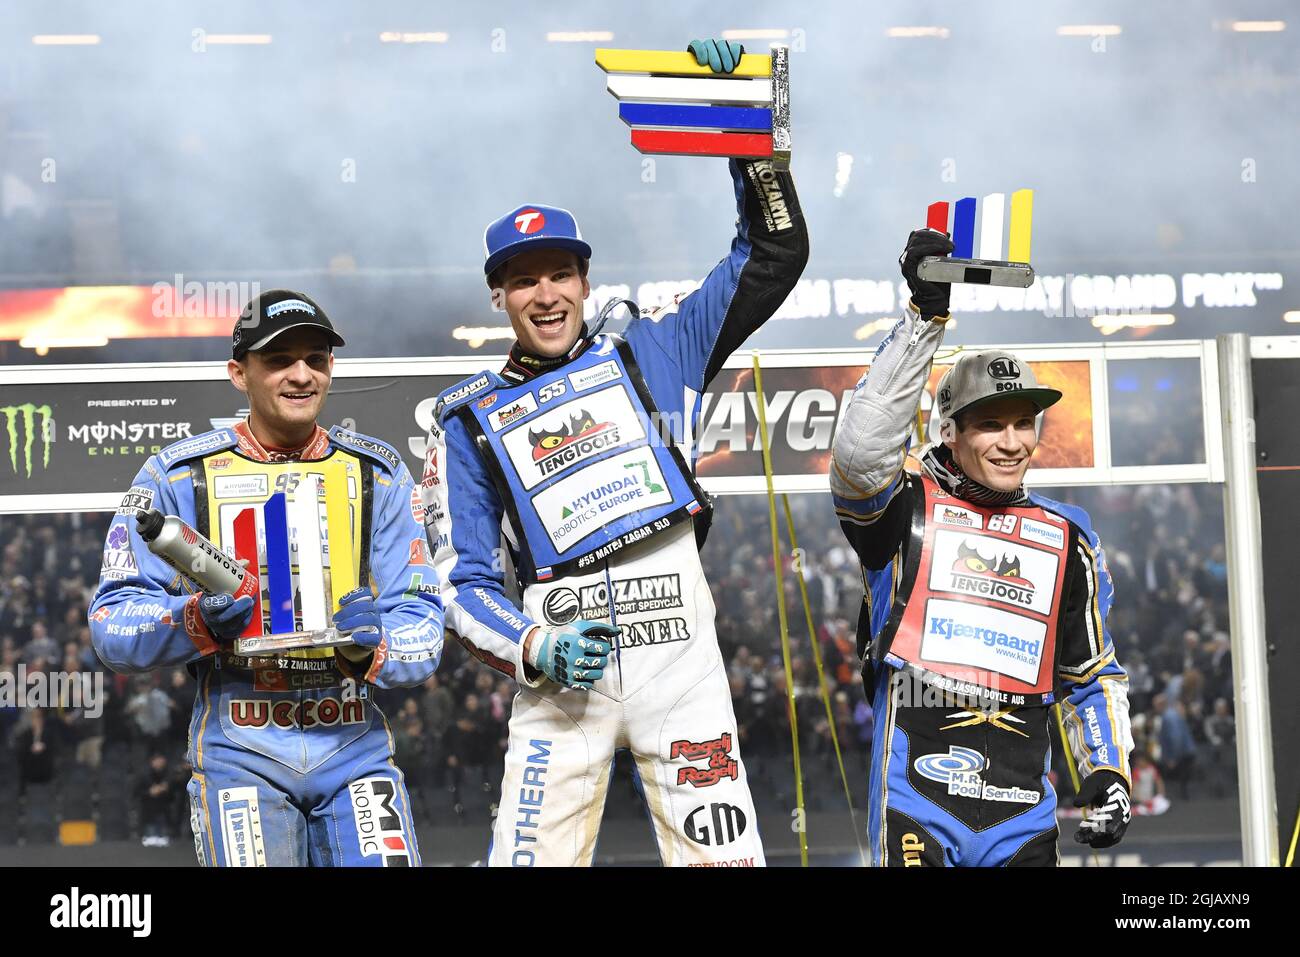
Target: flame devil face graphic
point(971, 562)
point(579, 425)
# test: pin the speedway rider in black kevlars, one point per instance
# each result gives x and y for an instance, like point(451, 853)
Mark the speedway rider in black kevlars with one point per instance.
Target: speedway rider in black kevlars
point(985, 604)
point(603, 519)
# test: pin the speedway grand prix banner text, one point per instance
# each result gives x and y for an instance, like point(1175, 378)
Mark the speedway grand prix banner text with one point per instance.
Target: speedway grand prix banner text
point(72, 438)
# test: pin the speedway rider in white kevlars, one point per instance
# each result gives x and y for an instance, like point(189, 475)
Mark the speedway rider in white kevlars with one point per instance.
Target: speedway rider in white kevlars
point(560, 453)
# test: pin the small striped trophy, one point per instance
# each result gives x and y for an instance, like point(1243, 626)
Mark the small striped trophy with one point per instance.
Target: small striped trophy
point(313, 521)
point(990, 269)
point(677, 107)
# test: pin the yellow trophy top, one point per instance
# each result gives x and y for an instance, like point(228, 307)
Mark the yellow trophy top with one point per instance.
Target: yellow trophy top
point(677, 64)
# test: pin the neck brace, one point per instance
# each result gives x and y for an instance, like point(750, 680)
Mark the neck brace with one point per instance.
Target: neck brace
point(521, 365)
point(938, 461)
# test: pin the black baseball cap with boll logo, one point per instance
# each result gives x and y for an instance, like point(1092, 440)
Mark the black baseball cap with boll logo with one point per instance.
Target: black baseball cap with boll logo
point(980, 376)
point(271, 313)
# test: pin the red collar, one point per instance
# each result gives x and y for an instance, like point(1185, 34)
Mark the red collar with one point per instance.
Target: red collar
point(315, 448)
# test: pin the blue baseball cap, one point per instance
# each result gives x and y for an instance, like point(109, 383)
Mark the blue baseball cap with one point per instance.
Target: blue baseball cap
point(532, 226)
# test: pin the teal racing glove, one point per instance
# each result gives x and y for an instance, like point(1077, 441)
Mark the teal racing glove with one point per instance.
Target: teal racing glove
point(722, 56)
point(573, 655)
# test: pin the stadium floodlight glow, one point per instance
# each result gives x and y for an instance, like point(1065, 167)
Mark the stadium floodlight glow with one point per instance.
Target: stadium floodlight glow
point(43, 344)
point(843, 170)
point(755, 34)
point(66, 39)
point(884, 324)
point(392, 36)
point(1089, 30)
point(869, 329)
point(1110, 324)
point(902, 33)
point(477, 336)
point(1258, 26)
point(238, 39)
point(579, 36)
point(1291, 315)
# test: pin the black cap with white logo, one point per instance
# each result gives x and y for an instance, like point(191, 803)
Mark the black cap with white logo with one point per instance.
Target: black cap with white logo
point(980, 376)
point(274, 312)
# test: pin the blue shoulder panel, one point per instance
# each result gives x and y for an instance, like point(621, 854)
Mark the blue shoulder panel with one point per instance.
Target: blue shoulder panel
point(1071, 513)
point(370, 447)
point(463, 391)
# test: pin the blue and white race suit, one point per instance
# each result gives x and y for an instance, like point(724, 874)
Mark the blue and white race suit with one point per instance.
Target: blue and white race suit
point(572, 526)
point(293, 762)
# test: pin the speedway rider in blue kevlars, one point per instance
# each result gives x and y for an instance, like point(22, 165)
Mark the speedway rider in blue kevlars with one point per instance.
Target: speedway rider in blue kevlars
point(985, 605)
point(293, 762)
point(561, 453)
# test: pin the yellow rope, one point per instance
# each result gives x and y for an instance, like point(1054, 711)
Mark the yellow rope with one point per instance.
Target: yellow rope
point(780, 609)
point(821, 677)
point(1290, 854)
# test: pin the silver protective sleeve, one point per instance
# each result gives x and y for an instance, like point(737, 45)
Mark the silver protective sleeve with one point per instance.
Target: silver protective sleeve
point(871, 440)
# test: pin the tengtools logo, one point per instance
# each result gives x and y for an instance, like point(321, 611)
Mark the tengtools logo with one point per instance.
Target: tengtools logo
point(28, 414)
point(579, 438)
point(958, 516)
point(512, 412)
point(977, 575)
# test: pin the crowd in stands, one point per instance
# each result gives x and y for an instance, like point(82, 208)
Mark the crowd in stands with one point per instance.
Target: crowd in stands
point(1165, 550)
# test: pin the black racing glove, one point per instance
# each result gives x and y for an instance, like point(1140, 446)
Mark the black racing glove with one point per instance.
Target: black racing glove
point(930, 298)
point(1104, 796)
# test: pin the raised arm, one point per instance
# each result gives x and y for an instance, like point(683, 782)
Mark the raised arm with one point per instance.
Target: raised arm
point(872, 437)
point(699, 331)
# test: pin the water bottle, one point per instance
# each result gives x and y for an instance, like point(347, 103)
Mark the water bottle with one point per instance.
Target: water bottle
point(185, 550)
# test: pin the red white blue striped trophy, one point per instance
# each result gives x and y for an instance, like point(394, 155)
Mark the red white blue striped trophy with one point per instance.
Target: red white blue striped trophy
point(990, 268)
point(312, 524)
point(676, 106)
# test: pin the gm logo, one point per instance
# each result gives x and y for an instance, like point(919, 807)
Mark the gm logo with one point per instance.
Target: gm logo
point(1004, 368)
point(715, 824)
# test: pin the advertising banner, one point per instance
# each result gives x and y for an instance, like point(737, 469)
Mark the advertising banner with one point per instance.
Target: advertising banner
point(73, 437)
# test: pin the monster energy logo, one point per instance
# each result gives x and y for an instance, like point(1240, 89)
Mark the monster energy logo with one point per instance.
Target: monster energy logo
point(28, 413)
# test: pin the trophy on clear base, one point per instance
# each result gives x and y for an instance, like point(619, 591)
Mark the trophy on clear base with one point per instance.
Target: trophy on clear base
point(288, 520)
